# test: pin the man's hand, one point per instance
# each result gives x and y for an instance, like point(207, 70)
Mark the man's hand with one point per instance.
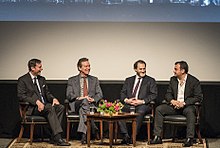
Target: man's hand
point(90, 99)
point(55, 102)
point(40, 105)
point(136, 102)
point(129, 101)
point(177, 104)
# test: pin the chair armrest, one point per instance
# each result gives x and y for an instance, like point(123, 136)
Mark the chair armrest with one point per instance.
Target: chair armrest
point(66, 103)
point(152, 104)
point(23, 106)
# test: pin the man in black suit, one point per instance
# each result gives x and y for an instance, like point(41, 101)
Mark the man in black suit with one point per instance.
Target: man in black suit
point(183, 91)
point(32, 88)
point(137, 91)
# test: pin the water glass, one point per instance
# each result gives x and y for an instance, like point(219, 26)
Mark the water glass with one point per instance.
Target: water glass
point(91, 110)
point(132, 109)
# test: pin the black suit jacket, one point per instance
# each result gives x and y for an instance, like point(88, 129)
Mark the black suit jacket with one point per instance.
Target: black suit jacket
point(193, 91)
point(147, 92)
point(28, 92)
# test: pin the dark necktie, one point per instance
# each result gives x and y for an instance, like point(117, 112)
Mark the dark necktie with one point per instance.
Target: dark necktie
point(38, 88)
point(85, 89)
point(136, 88)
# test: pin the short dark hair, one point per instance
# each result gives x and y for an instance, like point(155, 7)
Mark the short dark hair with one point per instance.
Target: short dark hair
point(183, 65)
point(139, 61)
point(79, 64)
point(32, 63)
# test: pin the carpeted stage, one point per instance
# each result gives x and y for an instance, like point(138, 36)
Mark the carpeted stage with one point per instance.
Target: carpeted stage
point(96, 144)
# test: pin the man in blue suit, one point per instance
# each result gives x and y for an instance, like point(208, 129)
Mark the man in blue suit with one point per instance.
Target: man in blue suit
point(183, 91)
point(83, 91)
point(138, 91)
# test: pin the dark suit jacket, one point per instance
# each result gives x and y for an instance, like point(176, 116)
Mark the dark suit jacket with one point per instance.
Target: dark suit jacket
point(28, 92)
point(193, 91)
point(73, 89)
point(147, 92)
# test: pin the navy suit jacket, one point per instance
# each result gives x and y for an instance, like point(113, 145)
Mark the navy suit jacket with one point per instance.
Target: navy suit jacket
point(147, 92)
point(26, 91)
point(192, 93)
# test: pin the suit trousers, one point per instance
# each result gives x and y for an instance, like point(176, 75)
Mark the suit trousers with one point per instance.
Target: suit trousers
point(141, 109)
point(54, 115)
point(82, 108)
point(165, 109)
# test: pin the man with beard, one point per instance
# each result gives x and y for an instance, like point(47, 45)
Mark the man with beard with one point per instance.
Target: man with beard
point(183, 92)
point(138, 91)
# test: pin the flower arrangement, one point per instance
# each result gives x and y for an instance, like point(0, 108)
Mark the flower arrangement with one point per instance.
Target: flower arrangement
point(110, 107)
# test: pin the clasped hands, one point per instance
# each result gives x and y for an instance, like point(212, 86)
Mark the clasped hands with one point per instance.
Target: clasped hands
point(134, 102)
point(177, 104)
point(90, 100)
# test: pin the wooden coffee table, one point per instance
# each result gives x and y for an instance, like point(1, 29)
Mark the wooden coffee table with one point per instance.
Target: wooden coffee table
point(112, 120)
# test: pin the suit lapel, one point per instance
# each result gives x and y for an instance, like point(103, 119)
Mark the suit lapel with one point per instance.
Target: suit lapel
point(175, 85)
point(186, 92)
point(78, 87)
point(32, 85)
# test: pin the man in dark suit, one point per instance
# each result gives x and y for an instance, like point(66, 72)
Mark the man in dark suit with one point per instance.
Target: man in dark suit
point(32, 88)
point(83, 91)
point(183, 91)
point(137, 91)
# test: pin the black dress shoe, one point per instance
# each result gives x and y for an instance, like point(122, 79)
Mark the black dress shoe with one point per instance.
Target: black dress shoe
point(61, 142)
point(83, 139)
point(188, 142)
point(156, 140)
point(97, 135)
point(126, 140)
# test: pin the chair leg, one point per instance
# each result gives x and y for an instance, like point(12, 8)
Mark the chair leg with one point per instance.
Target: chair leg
point(20, 133)
point(101, 130)
point(174, 133)
point(31, 133)
point(199, 135)
point(148, 132)
point(116, 132)
point(68, 131)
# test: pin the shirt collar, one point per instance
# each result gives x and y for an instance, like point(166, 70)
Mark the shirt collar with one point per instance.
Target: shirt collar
point(32, 76)
point(184, 78)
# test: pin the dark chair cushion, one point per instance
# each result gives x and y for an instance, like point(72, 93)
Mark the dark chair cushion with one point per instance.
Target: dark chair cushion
point(175, 118)
point(36, 119)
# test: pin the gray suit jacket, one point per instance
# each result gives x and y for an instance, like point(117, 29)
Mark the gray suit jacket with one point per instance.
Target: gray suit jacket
point(193, 91)
point(73, 89)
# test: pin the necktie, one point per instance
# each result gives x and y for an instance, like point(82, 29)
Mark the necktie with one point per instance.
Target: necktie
point(136, 87)
point(85, 89)
point(38, 88)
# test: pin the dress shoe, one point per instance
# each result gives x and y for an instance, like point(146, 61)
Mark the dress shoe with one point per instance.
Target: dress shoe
point(126, 140)
point(156, 140)
point(83, 139)
point(61, 142)
point(188, 142)
point(97, 135)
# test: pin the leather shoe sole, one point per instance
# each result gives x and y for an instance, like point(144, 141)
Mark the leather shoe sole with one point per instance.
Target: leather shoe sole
point(61, 142)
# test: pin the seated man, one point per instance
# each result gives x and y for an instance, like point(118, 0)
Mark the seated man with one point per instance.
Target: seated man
point(137, 91)
point(183, 91)
point(32, 88)
point(83, 91)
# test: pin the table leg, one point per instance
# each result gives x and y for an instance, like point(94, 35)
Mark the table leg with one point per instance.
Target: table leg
point(111, 133)
point(88, 131)
point(134, 129)
point(101, 131)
